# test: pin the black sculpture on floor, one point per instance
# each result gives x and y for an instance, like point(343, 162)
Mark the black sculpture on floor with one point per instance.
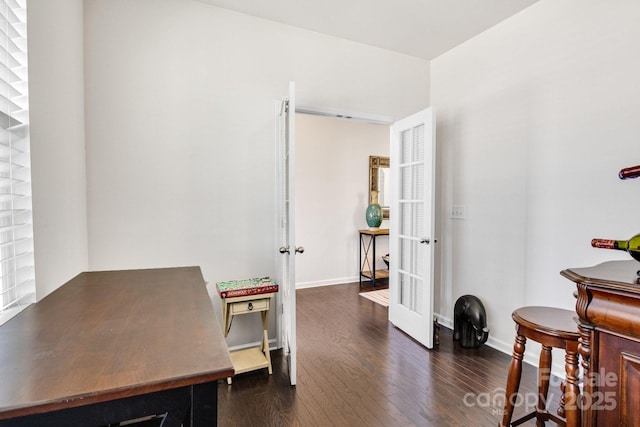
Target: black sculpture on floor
point(470, 322)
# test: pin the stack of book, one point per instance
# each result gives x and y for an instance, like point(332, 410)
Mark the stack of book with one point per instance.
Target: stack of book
point(241, 288)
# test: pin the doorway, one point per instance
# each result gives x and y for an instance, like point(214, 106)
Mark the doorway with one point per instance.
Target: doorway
point(332, 180)
point(326, 173)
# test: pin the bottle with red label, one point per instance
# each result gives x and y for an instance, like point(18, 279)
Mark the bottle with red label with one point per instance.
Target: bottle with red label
point(632, 246)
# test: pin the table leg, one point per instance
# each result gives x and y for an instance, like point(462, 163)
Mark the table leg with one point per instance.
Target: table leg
point(226, 317)
point(226, 323)
point(373, 263)
point(360, 258)
point(265, 339)
point(204, 405)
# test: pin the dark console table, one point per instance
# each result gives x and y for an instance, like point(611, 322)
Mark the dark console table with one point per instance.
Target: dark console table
point(367, 258)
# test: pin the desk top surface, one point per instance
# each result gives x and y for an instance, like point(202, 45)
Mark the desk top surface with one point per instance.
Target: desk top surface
point(614, 274)
point(108, 335)
point(378, 232)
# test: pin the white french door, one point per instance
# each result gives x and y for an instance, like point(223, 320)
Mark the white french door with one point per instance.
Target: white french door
point(285, 228)
point(411, 235)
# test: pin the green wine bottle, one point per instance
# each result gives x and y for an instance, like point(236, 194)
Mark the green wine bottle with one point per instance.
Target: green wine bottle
point(632, 245)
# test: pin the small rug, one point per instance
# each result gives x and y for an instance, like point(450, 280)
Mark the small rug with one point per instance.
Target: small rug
point(379, 297)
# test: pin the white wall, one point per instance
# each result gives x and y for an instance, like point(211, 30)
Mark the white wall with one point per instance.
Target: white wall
point(535, 118)
point(56, 97)
point(332, 193)
point(180, 128)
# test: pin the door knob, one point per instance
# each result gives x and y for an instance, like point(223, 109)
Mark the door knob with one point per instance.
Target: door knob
point(300, 250)
point(284, 249)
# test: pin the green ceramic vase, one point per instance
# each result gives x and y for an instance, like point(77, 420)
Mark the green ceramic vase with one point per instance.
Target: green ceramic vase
point(374, 212)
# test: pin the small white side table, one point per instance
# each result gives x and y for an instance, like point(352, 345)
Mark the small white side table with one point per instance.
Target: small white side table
point(253, 358)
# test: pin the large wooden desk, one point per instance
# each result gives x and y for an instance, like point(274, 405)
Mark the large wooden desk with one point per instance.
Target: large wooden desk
point(112, 346)
point(609, 309)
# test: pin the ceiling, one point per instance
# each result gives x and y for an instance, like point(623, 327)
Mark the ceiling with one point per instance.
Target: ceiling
point(421, 28)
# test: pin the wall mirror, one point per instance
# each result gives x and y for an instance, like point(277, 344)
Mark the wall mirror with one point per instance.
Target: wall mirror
point(380, 181)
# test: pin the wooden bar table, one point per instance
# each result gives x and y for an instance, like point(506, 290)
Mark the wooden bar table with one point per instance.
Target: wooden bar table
point(608, 306)
point(112, 346)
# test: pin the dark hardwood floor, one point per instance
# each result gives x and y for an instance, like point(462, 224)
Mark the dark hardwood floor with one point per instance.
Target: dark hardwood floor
point(356, 369)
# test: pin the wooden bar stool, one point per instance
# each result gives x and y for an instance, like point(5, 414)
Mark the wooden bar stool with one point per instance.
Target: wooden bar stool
point(551, 327)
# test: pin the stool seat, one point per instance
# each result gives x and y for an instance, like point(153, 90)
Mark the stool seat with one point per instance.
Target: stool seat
point(549, 322)
point(552, 328)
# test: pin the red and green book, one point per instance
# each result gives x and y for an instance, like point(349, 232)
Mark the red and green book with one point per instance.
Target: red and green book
point(241, 288)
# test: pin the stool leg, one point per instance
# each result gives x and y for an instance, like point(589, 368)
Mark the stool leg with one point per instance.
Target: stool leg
point(561, 406)
point(513, 380)
point(544, 372)
point(571, 390)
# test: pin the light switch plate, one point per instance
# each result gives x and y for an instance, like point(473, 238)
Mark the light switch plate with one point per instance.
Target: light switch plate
point(457, 212)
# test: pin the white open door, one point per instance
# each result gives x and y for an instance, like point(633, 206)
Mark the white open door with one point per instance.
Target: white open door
point(285, 228)
point(412, 226)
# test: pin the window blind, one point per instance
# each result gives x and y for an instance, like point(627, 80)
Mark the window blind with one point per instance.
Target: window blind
point(16, 231)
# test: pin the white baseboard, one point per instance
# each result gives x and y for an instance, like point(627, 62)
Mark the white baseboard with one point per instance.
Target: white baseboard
point(315, 284)
point(444, 321)
point(530, 357)
point(272, 345)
